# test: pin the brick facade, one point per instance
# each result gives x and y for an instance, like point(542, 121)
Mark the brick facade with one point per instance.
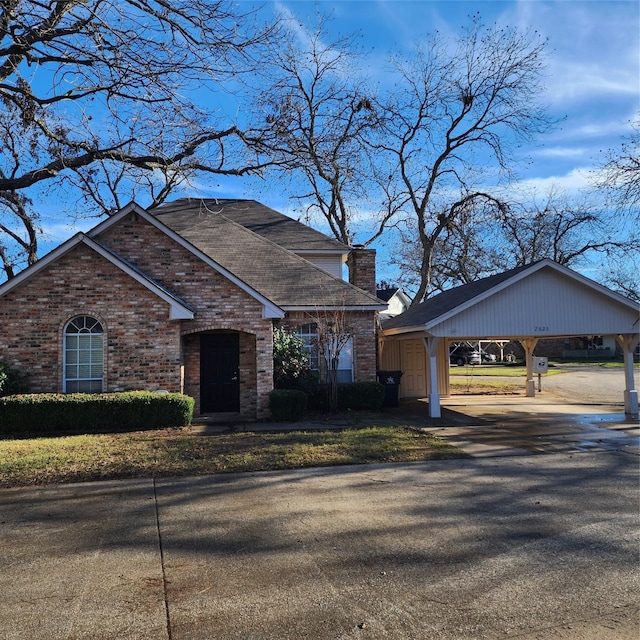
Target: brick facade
point(362, 269)
point(361, 326)
point(143, 348)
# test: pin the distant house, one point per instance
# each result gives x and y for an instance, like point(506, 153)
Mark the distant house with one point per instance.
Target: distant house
point(184, 298)
point(397, 302)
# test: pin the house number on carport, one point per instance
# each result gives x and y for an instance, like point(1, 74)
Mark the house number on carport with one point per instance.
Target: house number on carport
point(540, 329)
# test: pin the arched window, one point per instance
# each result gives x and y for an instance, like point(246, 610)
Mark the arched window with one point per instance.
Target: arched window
point(83, 356)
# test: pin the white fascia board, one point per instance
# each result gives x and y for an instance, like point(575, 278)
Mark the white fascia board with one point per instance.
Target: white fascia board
point(319, 252)
point(596, 286)
point(546, 263)
point(399, 331)
point(270, 309)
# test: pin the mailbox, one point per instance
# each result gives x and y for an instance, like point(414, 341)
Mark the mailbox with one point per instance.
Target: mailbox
point(540, 365)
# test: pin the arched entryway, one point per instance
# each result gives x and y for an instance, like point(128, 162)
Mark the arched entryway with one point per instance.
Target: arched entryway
point(221, 373)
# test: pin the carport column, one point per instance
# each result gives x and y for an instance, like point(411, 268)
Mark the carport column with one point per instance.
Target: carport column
point(431, 347)
point(529, 345)
point(629, 342)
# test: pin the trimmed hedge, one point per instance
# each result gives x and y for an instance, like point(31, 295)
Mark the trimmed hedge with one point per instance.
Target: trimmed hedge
point(357, 396)
point(93, 412)
point(287, 405)
point(361, 396)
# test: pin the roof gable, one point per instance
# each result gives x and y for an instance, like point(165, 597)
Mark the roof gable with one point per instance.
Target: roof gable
point(270, 308)
point(286, 278)
point(543, 299)
point(178, 309)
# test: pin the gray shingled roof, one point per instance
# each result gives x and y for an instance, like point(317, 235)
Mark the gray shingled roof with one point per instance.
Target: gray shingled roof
point(266, 222)
point(387, 294)
point(446, 301)
point(283, 277)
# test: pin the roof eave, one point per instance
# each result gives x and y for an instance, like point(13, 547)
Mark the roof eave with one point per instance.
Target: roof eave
point(402, 330)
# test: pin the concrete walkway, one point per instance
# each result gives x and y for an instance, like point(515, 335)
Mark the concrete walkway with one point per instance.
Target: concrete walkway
point(528, 547)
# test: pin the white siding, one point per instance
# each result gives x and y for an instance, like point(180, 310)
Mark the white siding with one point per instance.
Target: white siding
point(544, 304)
point(330, 264)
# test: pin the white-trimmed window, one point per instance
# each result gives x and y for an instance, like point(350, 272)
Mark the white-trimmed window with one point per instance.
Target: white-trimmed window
point(83, 356)
point(309, 334)
point(344, 373)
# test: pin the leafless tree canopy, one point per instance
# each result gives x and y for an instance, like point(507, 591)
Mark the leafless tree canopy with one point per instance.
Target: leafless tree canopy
point(488, 239)
point(619, 174)
point(97, 100)
point(454, 123)
point(313, 118)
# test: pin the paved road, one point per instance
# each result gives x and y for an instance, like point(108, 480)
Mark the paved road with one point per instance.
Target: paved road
point(590, 385)
point(515, 545)
point(531, 547)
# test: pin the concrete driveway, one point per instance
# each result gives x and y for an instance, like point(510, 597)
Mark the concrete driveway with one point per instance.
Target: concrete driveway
point(582, 410)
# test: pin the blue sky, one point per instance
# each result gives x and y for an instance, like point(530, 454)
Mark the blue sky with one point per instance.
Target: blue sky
point(593, 75)
point(592, 80)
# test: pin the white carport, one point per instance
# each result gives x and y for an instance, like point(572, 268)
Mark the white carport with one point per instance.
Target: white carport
point(541, 300)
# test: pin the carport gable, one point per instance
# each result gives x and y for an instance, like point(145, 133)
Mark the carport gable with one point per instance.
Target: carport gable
point(541, 300)
point(546, 300)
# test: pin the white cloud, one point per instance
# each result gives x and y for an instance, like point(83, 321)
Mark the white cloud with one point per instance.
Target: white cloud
point(559, 152)
point(593, 48)
point(572, 182)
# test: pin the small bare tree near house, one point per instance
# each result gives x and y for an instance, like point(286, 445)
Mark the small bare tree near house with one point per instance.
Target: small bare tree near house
point(334, 334)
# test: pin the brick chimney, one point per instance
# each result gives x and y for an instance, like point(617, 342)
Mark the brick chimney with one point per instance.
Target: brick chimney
point(362, 268)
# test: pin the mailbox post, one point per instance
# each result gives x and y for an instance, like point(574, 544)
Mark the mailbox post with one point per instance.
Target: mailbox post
point(540, 366)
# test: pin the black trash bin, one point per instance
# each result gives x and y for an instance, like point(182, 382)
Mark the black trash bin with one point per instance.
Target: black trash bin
point(391, 382)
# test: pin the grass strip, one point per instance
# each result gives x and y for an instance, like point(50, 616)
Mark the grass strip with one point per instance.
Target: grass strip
point(176, 452)
point(497, 371)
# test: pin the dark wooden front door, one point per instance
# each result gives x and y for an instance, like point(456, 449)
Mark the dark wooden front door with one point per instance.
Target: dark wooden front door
point(219, 369)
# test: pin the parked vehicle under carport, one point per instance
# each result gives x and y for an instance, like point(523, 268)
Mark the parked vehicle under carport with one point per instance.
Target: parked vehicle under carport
point(462, 355)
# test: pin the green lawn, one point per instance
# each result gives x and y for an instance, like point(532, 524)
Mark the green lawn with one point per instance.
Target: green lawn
point(497, 370)
point(180, 452)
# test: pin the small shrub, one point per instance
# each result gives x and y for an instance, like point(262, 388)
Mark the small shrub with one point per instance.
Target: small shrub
point(11, 380)
point(357, 396)
point(287, 405)
point(290, 362)
point(93, 412)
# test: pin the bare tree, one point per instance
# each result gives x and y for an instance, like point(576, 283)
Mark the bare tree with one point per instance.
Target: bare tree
point(565, 230)
point(317, 113)
point(453, 123)
point(619, 174)
point(484, 241)
point(98, 99)
point(334, 335)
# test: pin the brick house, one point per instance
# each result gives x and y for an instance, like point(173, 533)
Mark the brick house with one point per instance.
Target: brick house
point(184, 298)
